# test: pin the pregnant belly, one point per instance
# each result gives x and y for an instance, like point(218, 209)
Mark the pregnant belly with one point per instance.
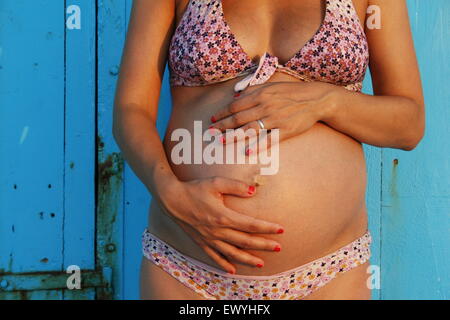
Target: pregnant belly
point(317, 194)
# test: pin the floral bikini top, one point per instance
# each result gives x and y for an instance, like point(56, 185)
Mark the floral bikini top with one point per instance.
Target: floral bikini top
point(203, 50)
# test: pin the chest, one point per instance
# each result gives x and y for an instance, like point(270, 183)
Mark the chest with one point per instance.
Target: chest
point(279, 27)
point(220, 39)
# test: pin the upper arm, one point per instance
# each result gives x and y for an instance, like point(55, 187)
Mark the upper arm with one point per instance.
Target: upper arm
point(393, 63)
point(145, 54)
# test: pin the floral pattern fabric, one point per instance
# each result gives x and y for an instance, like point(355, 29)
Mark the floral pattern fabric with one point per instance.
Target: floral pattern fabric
point(216, 284)
point(203, 49)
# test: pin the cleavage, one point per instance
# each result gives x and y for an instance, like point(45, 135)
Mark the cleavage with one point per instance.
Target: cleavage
point(274, 22)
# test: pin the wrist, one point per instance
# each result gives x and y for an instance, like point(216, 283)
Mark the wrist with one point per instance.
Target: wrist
point(329, 105)
point(165, 185)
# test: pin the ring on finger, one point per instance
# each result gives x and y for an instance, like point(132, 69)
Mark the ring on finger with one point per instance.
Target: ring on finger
point(261, 124)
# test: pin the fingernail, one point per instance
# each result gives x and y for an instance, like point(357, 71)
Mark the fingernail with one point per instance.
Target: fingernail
point(259, 265)
point(236, 95)
point(248, 152)
point(251, 189)
point(222, 139)
point(213, 119)
point(232, 272)
point(281, 230)
point(277, 248)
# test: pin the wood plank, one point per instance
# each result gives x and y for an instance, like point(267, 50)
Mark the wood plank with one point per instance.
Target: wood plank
point(416, 189)
point(31, 135)
point(111, 35)
point(79, 162)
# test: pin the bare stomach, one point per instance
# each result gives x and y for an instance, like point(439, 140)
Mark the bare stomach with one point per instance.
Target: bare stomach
point(317, 194)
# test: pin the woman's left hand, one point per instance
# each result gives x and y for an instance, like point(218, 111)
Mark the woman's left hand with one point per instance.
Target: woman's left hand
point(291, 107)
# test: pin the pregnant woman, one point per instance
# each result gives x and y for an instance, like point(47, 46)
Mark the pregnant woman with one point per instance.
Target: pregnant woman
point(227, 230)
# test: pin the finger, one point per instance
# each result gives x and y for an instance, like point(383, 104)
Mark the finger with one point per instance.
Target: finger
point(241, 101)
point(266, 141)
point(254, 130)
point(236, 254)
point(240, 118)
point(232, 187)
point(236, 135)
point(286, 131)
point(267, 123)
point(213, 132)
point(241, 222)
point(245, 241)
point(250, 127)
point(219, 259)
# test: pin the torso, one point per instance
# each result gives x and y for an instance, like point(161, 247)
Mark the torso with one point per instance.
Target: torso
point(318, 193)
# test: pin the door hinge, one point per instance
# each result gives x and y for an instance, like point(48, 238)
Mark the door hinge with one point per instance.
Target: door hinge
point(56, 280)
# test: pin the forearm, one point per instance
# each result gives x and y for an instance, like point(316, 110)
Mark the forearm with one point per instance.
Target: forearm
point(136, 135)
point(383, 121)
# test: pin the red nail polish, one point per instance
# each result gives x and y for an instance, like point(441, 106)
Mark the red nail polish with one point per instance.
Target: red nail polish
point(281, 230)
point(277, 248)
point(212, 130)
point(251, 189)
point(222, 139)
point(231, 271)
point(248, 152)
point(236, 95)
point(259, 265)
point(213, 119)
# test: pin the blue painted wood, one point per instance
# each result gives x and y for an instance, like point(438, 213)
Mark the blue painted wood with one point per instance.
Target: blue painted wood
point(79, 161)
point(47, 120)
point(31, 137)
point(79, 156)
point(415, 249)
point(111, 35)
point(32, 133)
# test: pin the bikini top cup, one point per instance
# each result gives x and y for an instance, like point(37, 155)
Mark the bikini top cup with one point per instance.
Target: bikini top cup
point(203, 50)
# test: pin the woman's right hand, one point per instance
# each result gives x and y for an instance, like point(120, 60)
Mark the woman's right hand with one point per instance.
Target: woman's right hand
point(199, 209)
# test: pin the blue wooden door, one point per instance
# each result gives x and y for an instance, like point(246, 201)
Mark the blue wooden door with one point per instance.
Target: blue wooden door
point(48, 152)
point(415, 186)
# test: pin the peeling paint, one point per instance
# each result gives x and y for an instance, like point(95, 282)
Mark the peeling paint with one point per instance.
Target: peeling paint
point(100, 144)
point(10, 263)
point(24, 134)
point(49, 280)
point(108, 169)
point(109, 193)
point(394, 188)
